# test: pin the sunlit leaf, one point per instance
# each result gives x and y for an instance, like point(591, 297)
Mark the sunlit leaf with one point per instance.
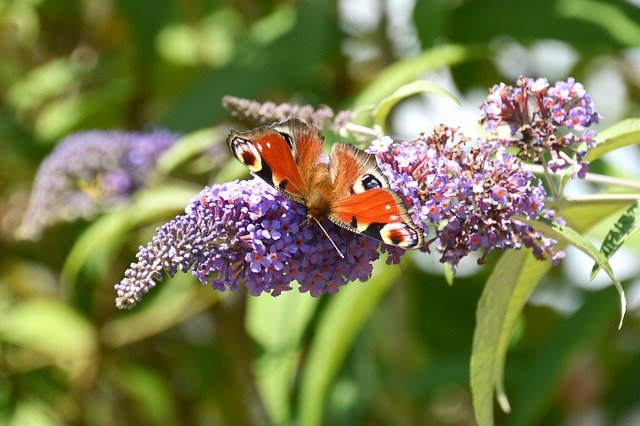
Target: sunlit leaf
point(407, 70)
point(574, 333)
point(188, 147)
point(614, 21)
point(505, 294)
point(384, 107)
point(564, 233)
point(622, 134)
point(95, 248)
point(627, 225)
point(30, 412)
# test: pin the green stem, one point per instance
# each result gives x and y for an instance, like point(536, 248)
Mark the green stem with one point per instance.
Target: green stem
point(593, 178)
point(590, 200)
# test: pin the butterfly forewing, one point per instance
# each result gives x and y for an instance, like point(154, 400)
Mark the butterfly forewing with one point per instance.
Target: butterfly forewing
point(268, 154)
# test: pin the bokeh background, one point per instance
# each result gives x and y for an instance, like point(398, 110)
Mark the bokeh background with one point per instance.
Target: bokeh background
point(394, 350)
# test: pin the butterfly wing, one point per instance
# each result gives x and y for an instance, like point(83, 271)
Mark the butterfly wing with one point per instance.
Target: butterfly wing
point(363, 202)
point(279, 154)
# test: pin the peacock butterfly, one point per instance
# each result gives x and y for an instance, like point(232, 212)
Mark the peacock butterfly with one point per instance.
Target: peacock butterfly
point(350, 190)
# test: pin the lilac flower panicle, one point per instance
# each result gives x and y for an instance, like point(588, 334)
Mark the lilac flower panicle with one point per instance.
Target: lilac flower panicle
point(247, 233)
point(90, 171)
point(542, 118)
point(467, 191)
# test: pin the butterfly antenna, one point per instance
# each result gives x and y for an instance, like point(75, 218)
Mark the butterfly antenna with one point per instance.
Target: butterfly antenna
point(325, 233)
point(307, 220)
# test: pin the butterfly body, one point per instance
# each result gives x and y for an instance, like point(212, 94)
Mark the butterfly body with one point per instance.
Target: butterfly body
point(349, 189)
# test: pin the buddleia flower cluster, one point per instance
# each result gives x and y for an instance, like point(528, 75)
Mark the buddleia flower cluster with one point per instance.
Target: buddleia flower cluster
point(548, 124)
point(88, 172)
point(467, 194)
point(247, 233)
point(467, 191)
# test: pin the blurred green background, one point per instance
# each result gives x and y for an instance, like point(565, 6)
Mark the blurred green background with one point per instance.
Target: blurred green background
point(395, 350)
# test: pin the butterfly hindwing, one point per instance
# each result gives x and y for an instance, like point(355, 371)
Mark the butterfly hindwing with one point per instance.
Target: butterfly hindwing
point(365, 204)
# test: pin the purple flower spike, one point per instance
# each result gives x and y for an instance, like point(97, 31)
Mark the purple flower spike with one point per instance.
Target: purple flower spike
point(468, 191)
point(541, 119)
point(227, 237)
point(89, 172)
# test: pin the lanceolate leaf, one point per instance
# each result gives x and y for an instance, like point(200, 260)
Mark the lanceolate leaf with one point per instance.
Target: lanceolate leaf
point(620, 135)
point(568, 235)
point(548, 368)
point(504, 296)
point(626, 225)
point(383, 109)
point(505, 293)
point(407, 70)
point(343, 317)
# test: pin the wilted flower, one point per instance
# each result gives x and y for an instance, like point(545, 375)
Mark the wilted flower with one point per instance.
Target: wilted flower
point(88, 172)
point(543, 119)
point(246, 232)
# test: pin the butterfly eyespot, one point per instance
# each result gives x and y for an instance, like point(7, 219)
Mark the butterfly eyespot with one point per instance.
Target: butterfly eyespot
point(371, 182)
point(247, 154)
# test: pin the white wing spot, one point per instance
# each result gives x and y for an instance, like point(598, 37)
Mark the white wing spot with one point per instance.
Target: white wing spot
point(268, 144)
point(259, 145)
point(388, 207)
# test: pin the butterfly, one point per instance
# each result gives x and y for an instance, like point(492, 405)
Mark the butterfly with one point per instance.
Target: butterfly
point(351, 190)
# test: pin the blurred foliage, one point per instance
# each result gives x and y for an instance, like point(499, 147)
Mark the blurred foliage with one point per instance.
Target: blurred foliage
point(395, 350)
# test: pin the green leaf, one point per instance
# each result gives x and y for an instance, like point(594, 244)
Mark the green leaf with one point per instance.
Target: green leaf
point(623, 134)
point(626, 225)
point(149, 390)
point(383, 108)
point(563, 233)
point(549, 367)
point(339, 324)
point(179, 298)
point(275, 369)
point(95, 248)
point(51, 328)
point(513, 279)
point(618, 25)
point(187, 147)
point(410, 69)
point(33, 412)
point(504, 296)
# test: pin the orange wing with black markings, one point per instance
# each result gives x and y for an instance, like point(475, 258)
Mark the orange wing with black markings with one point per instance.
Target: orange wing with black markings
point(351, 191)
point(364, 202)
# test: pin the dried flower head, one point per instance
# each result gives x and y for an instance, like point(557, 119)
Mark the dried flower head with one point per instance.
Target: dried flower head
point(88, 172)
